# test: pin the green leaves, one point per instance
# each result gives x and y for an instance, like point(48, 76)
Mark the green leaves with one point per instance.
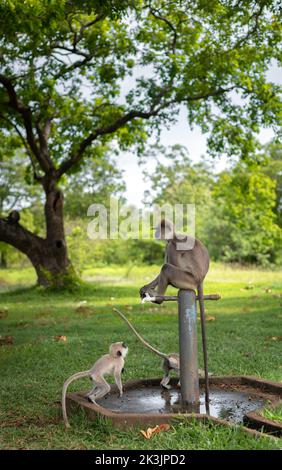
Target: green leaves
point(244, 226)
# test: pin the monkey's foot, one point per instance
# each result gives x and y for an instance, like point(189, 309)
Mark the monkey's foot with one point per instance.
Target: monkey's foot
point(165, 382)
point(166, 387)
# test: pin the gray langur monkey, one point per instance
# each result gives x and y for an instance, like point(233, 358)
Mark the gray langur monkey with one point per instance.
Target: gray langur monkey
point(109, 364)
point(186, 265)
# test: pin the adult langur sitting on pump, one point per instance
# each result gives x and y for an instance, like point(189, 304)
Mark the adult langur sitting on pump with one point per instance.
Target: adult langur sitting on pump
point(186, 265)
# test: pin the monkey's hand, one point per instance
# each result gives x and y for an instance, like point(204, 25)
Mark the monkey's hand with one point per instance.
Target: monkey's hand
point(147, 291)
point(120, 393)
point(151, 296)
point(91, 399)
point(143, 291)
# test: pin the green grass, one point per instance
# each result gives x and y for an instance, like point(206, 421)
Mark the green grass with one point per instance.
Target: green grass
point(275, 414)
point(244, 338)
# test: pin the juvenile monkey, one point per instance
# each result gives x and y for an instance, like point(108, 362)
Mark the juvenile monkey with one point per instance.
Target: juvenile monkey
point(186, 265)
point(170, 361)
point(109, 364)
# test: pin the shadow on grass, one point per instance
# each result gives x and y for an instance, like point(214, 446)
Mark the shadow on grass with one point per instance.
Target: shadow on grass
point(85, 290)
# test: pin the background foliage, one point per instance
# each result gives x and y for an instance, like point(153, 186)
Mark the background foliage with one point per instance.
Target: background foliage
point(238, 211)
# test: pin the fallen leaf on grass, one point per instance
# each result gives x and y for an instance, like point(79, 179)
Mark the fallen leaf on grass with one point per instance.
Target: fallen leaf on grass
point(247, 354)
point(245, 309)
point(3, 313)
point(210, 318)
point(84, 310)
point(46, 322)
point(156, 430)
point(6, 340)
point(273, 338)
point(42, 314)
point(60, 338)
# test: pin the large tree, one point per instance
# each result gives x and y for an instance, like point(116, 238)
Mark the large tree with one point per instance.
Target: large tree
point(77, 75)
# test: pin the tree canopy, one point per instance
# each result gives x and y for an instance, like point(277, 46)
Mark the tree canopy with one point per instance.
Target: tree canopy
point(65, 68)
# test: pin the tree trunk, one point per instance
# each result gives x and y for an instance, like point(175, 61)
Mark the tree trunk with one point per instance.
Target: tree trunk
point(48, 255)
point(3, 260)
point(55, 258)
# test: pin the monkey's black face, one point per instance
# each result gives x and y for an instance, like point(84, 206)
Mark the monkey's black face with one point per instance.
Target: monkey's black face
point(164, 231)
point(125, 349)
point(165, 234)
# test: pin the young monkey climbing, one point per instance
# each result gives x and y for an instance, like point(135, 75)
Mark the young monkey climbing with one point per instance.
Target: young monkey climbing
point(170, 361)
point(109, 364)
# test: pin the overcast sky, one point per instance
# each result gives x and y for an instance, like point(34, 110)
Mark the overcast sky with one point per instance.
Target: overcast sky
point(179, 133)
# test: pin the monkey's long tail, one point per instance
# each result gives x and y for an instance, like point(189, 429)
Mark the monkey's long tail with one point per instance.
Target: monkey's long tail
point(73, 377)
point(143, 341)
point(204, 342)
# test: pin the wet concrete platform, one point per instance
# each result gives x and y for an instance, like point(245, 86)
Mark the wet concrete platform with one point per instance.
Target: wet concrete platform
point(229, 405)
point(233, 400)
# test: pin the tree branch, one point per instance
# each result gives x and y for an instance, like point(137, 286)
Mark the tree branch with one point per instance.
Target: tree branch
point(43, 160)
point(133, 114)
point(16, 235)
point(36, 177)
point(72, 50)
point(256, 15)
point(43, 138)
point(76, 157)
point(204, 96)
point(79, 36)
point(158, 16)
point(73, 66)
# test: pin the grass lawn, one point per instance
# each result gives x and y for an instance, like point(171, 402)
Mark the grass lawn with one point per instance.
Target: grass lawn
point(243, 338)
